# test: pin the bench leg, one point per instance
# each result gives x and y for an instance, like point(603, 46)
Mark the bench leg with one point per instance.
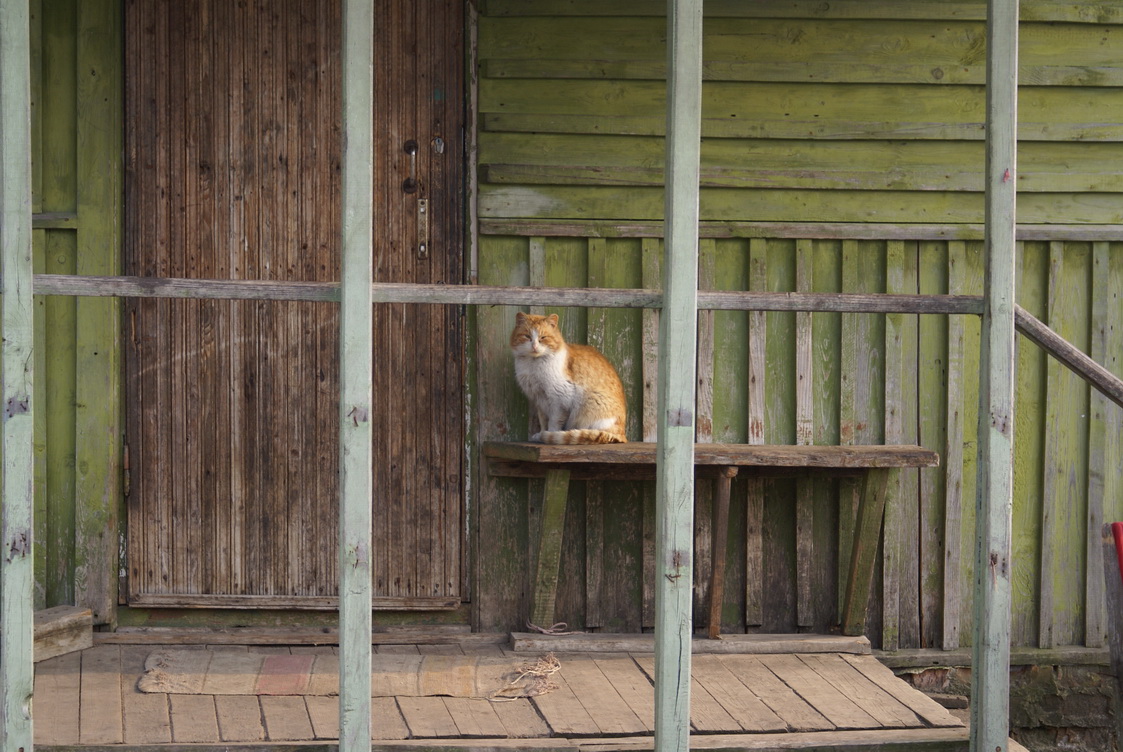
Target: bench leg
point(549, 547)
point(863, 554)
point(719, 537)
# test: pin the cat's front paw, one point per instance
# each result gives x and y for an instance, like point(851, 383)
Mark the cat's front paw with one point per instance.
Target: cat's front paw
point(537, 437)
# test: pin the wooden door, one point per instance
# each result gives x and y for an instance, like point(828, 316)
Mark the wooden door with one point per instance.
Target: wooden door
point(233, 172)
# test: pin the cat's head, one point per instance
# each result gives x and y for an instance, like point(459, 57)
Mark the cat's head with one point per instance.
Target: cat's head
point(535, 336)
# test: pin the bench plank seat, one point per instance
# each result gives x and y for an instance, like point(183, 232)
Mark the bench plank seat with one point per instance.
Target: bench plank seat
point(723, 455)
point(561, 463)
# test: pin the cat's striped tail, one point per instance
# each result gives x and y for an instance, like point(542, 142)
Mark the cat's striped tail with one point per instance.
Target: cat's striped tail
point(580, 436)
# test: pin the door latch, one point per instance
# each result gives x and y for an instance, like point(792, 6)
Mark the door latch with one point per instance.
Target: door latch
point(422, 228)
point(409, 185)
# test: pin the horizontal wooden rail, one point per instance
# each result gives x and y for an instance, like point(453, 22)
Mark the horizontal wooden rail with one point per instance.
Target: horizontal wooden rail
point(838, 302)
point(154, 287)
point(159, 287)
point(1079, 363)
point(726, 229)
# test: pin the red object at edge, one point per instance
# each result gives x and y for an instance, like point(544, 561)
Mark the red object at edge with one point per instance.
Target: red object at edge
point(1117, 533)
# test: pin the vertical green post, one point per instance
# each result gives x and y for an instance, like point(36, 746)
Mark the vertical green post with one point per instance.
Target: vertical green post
point(17, 327)
point(990, 693)
point(356, 363)
point(97, 414)
point(674, 526)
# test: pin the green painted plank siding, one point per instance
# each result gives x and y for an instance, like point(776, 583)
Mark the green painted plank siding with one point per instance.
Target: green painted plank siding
point(924, 600)
point(77, 174)
point(98, 427)
point(810, 112)
point(836, 117)
point(593, 151)
point(1087, 11)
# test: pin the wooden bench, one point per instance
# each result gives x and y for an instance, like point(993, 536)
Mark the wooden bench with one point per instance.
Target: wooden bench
point(559, 464)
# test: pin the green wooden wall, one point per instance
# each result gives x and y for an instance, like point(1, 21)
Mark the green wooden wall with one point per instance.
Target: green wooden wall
point(76, 162)
point(842, 151)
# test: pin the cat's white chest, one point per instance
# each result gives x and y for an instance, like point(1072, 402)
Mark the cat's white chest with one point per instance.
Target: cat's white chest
point(544, 381)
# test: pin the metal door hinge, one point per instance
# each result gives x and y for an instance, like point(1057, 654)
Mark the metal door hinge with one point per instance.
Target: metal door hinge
point(126, 473)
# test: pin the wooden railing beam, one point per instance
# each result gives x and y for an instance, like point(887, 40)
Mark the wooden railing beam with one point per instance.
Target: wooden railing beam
point(1107, 383)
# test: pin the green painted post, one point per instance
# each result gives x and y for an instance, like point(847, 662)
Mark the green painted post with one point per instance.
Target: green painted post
point(97, 413)
point(674, 525)
point(990, 692)
point(17, 326)
point(554, 499)
point(356, 363)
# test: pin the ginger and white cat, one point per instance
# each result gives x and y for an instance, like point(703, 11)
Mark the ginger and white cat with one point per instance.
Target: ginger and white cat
point(574, 390)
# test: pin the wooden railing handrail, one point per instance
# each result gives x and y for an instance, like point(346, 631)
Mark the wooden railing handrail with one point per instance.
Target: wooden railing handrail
point(734, 300)
point(1083, 366)
point(383, 292)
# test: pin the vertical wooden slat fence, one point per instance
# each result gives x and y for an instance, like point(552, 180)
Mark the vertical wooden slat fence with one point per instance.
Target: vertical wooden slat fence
point(804, 435)
point(938, 352)
point(754, 501)
point(1103, 440)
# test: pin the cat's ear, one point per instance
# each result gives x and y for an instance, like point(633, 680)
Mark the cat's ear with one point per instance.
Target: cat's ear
point(553, 319)
point(520, 317)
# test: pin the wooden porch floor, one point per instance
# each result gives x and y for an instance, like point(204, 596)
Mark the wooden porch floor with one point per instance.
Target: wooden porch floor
point(603, 701)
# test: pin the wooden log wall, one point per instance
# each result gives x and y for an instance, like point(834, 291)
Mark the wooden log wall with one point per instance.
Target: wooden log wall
point(842, 151)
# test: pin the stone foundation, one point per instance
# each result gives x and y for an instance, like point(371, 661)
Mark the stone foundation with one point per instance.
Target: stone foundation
point(1051, 707)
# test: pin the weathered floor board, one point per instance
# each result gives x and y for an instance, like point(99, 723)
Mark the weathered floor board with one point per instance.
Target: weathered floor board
point(600, 701)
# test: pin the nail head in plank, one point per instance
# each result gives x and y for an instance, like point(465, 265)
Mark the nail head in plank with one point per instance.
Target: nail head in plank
point(632, 684)
point(706, 714)
point(743, 705)
point(145, 716)
point(239, 717)
point(387, 722)
point(885, 708)
point(601, 700)
point(323, 713)
point(839, 709)
point(286, 718)
point(101, 696)
point(194, 720)
point(564, 712)
point(475, 717)
point(57, 694)
point(793, 709)
point(520, 719)
point(427, 717)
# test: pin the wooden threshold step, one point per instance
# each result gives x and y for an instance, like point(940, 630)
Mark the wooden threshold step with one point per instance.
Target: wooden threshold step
point(62, 629)
point(894, 740)
point(529, 642)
